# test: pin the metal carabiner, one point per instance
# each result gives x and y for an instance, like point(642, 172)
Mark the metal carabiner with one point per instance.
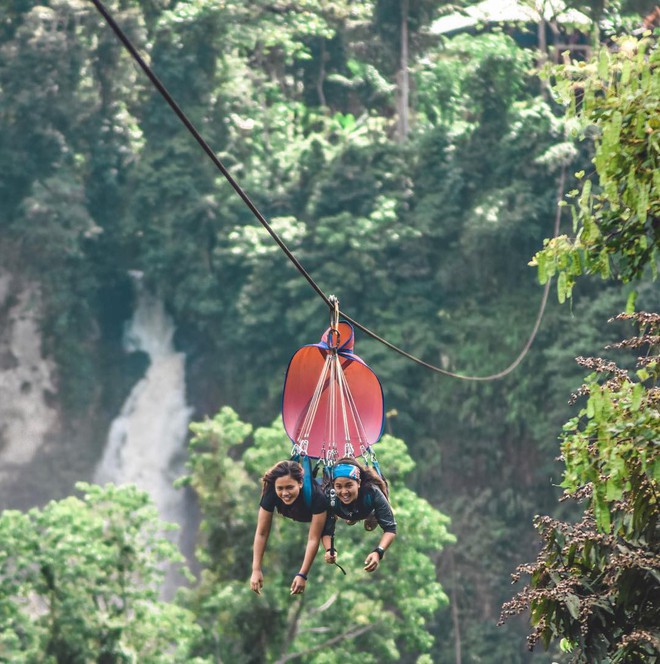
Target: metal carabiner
point(333, 333)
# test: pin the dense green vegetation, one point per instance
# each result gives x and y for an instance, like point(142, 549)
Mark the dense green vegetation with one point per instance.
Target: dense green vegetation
point(595, 584)
point(80, 579)
point(423, 226)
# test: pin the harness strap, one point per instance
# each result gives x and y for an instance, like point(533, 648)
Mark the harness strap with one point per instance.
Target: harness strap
point(306, 463)
point(333, 517)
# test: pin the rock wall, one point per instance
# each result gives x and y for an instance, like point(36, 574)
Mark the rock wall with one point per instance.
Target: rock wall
point(27, 415)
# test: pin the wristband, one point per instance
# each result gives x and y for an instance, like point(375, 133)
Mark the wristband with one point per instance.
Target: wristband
point(304, 576)
point(380, 551)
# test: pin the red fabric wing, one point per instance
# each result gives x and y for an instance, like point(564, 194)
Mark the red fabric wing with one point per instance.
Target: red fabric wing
point(305, 369)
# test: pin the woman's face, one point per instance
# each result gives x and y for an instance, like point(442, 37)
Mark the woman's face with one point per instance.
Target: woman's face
point(287, 489)
point(347, 489)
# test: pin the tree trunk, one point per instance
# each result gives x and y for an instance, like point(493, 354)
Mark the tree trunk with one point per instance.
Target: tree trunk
point(403, 88)
point(455, 618)
point(542, 42)
point(321, 78)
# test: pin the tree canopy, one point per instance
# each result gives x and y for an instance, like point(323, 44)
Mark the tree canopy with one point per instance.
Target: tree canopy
point(80, 581)
point(595, 585)
point(615, 100)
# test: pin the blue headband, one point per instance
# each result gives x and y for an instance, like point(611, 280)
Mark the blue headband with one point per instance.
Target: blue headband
point(346, 470)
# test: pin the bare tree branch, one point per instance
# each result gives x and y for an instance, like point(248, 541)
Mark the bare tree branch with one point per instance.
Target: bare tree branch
point(350, 634)
point(326, 605)
point(293, 627)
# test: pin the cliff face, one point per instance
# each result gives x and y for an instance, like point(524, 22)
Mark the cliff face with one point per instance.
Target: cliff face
point(43, 450)
point(28, 418)
point(132, 428)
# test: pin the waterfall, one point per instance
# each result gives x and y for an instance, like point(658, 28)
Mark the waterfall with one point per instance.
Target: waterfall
point(146, 441)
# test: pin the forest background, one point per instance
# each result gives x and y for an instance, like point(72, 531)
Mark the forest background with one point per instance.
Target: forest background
point(419, 200)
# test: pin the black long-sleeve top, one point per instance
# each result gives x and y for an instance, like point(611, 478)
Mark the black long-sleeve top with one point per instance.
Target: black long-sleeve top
point(369, 500)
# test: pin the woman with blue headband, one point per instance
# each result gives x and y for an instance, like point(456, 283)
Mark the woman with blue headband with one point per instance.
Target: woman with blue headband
point(361, 495)
point(282, 490)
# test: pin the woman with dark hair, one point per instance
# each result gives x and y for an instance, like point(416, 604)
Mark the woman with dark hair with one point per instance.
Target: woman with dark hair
point(361, 494)
point(283, 489)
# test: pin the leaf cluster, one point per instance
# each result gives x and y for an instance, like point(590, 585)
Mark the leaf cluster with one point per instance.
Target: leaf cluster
point(613, 101)
point(80, 580)
point(596, 583)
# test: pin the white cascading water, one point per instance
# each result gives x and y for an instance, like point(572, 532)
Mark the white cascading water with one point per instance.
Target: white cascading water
point(146, 442)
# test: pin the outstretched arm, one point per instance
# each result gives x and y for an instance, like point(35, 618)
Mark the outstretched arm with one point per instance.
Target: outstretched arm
point(264, 521)
point(313, 538)
point(387, 522)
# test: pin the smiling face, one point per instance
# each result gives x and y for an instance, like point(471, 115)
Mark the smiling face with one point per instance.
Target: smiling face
point(347, 489)
point(287, 489)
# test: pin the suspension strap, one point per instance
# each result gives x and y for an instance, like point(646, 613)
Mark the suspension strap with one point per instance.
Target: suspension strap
point(333, 517)
point(310, 415)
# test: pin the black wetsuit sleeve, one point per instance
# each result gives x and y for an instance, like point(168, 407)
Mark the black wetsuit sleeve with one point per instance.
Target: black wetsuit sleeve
point(383, 511)
point(329, 528)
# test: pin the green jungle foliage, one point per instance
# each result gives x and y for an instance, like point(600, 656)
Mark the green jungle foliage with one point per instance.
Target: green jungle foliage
point(79, 582)
point(596, 583)
point(423, 234)
point(616, 100)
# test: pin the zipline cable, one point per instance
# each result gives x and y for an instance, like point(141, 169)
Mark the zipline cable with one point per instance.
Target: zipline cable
point(262, 220)
point(532, 336)
point(205, 146)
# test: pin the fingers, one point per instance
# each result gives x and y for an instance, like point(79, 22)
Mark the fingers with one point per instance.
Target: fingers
point(257, 582)
point(297, 587)
point(371, 563)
